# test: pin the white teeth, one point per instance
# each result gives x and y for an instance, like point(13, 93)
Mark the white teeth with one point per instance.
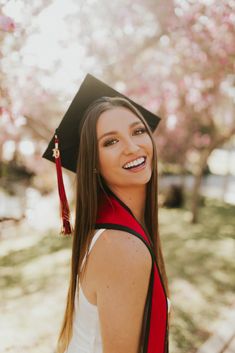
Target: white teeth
point(134, 163)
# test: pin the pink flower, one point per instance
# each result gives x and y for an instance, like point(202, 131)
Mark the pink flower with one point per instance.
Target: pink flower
point(6, 24)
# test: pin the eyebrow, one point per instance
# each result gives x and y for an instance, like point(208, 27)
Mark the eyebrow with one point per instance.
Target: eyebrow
point(116, 132)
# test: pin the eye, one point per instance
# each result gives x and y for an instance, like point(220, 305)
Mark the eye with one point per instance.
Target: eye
point(112, 141)
point(109, 142)
point(141, 130)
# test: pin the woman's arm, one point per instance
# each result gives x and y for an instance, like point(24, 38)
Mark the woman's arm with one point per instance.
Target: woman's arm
point(122, 279)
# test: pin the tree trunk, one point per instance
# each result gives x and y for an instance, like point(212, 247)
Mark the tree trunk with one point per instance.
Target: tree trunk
point(226, 176)
point(195, 197)
point(183, 176)
point(216, 142)
point(197, 184)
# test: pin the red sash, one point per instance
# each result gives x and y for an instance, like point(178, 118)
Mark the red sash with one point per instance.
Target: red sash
point(114, 214)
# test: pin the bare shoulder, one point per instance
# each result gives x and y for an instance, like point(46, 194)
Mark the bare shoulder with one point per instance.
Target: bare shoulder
point(117, 247)
point(117, 254)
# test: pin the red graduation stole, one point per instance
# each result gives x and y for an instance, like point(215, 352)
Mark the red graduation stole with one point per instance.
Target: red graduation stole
point(114, 214)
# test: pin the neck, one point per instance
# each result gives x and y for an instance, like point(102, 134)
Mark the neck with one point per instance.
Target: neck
point(134, 198)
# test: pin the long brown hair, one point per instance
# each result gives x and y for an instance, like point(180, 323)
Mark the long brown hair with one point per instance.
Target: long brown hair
point(89, 186)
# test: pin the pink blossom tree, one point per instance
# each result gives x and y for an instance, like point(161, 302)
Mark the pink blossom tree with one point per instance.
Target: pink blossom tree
point(174, 57)
point(200, 92)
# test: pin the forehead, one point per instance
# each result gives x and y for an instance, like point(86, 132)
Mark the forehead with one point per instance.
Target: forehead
point(116, 118)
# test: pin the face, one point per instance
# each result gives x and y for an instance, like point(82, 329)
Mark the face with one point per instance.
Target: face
point(125, 149)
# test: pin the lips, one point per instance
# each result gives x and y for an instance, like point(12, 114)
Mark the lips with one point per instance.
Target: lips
point(130, 164)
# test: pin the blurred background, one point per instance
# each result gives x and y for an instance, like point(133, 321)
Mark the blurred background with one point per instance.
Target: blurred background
point(175, 57)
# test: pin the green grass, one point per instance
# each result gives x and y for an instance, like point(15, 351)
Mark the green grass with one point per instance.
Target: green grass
point(30, 269)
point(200, 266)
point(201, 270)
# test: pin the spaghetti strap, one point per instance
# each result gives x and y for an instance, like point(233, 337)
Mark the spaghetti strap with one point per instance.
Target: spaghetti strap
point(94, 239)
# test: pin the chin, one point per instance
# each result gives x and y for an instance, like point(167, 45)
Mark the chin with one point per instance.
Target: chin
point(138, 181)
point(133, 179)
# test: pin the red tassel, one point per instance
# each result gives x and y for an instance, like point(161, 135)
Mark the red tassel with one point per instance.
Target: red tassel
point(64, 207)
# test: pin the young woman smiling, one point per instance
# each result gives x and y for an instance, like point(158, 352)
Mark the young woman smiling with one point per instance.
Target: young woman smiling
point(117, 298)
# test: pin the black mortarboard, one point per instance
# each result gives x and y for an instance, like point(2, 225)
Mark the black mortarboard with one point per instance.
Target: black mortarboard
point(63, 147)
point(90, 90)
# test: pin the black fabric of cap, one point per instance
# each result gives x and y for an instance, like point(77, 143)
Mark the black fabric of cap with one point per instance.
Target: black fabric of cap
point(68, 130)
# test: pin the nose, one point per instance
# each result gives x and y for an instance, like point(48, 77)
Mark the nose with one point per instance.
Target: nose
point(130, 146)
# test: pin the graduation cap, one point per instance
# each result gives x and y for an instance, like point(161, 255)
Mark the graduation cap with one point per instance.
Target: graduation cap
point(64, 145)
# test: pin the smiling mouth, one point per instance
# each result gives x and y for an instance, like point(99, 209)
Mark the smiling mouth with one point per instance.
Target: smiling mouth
point(132, 166)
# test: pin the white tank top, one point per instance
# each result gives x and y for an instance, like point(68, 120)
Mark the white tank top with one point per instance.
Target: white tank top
point(86, 337)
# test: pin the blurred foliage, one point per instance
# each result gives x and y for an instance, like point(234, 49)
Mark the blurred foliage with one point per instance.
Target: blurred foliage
point(174, 197)
point(180, 64)
point(13, 171)
point(174, 57)
point(176, 169)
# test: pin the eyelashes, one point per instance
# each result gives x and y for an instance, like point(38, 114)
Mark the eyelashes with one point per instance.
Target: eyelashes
point(139, 131)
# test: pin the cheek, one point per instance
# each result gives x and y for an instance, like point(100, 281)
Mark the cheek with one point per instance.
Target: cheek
point(107, 164)
point(149, 146)
point(106, 159)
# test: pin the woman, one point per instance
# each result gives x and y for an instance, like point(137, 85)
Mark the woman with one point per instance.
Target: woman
point(117, 295)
